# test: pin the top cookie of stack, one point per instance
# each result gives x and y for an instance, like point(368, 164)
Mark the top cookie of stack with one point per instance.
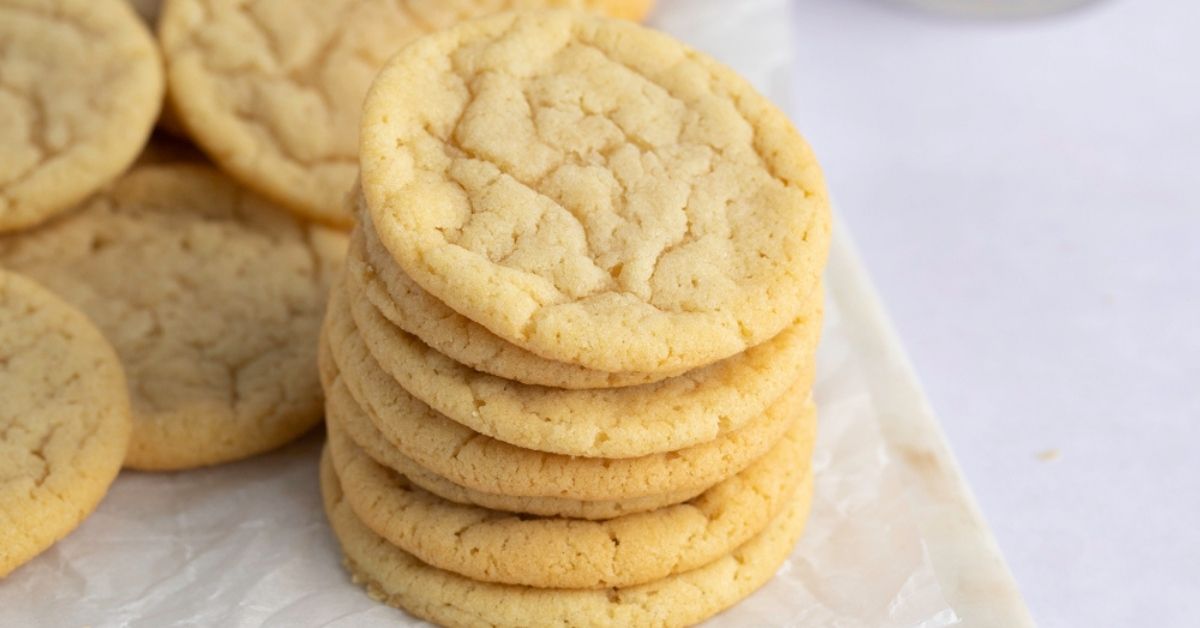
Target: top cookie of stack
point(599, 196)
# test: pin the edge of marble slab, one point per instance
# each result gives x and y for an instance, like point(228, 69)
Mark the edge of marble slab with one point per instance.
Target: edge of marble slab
point(970, 568)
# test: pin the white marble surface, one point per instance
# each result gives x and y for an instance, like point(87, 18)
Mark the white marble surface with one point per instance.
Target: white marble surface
point(1026, 195)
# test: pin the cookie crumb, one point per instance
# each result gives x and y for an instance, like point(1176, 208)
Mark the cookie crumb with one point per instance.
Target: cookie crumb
point(1049, 455)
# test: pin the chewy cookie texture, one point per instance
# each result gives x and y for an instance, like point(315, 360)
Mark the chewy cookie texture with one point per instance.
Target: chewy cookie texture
point(568, 361)
point(213, 299)
point(80, 87)
point(567, 365)
point(692, 408)
point(399, 299)
point(592, 191)
point(395, 577)
point(362, 433)
point(273, 90)
point(489, 465)
point(64, 419)
point(558, 552)
point(198, 303)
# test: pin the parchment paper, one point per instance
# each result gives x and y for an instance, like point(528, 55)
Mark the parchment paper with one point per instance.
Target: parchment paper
point(247, 544)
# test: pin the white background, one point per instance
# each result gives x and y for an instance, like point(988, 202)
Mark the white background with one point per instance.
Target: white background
point(1026, 195)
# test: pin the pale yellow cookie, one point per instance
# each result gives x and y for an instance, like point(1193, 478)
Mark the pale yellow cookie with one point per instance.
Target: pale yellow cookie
point(213, 299)
point(358, 428)
point(672, 414)
point(488, 465)
point(64, 419)
point(80, 86)
point(593, 191)
point(397, 578)
point(552, 552)
point(405, 304)
point(273, 90)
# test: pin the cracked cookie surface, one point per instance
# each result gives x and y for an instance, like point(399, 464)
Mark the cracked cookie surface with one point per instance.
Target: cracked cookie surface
point(679, 412)
point(553, 552)
point(211, 296)
point(399, 579)
point(273, 89)
point(403, 302)
point(485, 464)
point(80, 87)
point(64, 419)
point(593, 191)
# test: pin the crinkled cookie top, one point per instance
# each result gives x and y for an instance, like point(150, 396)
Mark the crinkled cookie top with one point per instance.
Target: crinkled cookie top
point(80, 87)
point(212, 297)
point(64, 419)
point(593, 191)
point(273, 89)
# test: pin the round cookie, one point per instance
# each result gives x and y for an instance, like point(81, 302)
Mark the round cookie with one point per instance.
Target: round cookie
point(359, 429)
point(488, 465)
point(64, 419)
point(397, 578)
point(593, 191)
point(81, 86)
point(273, 90)
point(373, 272)
point(494, 546)
point(213, 299)
point(675, 413)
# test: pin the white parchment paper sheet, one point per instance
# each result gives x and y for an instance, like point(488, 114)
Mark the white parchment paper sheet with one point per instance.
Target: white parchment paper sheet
point(247, 544)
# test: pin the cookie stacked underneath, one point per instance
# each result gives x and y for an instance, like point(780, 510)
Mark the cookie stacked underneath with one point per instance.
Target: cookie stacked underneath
point(568, 363)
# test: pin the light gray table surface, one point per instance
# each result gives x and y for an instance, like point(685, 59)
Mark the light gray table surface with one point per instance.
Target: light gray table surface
point(1026, 195)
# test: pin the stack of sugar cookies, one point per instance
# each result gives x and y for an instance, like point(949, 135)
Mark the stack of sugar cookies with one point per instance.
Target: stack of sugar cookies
point(205, 268)
point(568, 361)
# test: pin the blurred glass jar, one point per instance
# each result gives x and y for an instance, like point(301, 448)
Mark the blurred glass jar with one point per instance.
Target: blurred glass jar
point(998, 8)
